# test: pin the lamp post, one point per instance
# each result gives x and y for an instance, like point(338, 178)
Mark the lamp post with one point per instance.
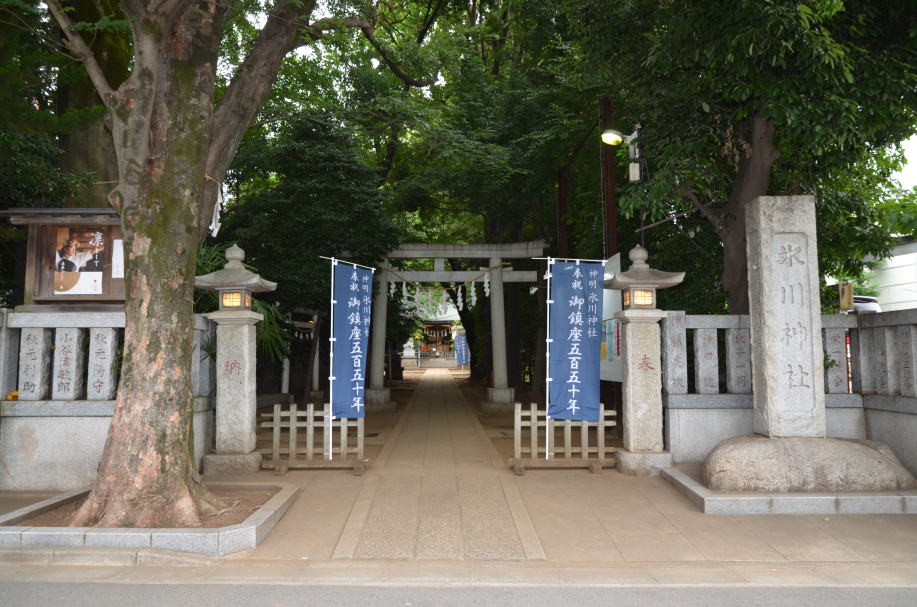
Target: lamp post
point(612, 138)
point(609, 195)
point(235, 400)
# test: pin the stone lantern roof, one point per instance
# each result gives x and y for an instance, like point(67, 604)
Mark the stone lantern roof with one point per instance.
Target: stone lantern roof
point(234, 275)
point(641, 274)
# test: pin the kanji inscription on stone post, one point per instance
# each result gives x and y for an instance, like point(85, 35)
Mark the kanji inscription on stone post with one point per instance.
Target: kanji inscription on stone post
point(68, 377)
point(34, 364)
point(785, 317)
point(675, 357)
point(101, 383)
point(738, 361)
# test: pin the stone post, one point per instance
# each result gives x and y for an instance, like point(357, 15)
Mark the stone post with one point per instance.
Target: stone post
point(500, 394)
point(102, 383)
point(9, 353)
point(378, 397)
point(642, 393)
point(836, 347)
point(68, 378)
point(789, 451)
point(34, 364)
point(235, 399)
point(675, 354)
point(907, 354)
point(706, 357)
point(738, 360)
point(787, 353)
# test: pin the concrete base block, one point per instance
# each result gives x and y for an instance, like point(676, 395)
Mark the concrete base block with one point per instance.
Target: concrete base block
point(389, 407)
point(130, 546)
point(638, 463)
point(501, 395)
point(232, 463)
point(497, 408)
point(730, 503)
point(377, 397)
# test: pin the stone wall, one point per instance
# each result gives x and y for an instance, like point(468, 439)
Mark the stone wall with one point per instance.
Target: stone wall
point(692, 430)
point(882, 407)
point(56, 444)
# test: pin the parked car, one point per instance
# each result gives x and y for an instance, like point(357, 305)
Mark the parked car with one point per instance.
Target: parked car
point(865, 303)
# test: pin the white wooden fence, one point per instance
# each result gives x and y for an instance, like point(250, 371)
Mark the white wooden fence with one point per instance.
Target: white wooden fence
point(318, 433)
point(583, 442)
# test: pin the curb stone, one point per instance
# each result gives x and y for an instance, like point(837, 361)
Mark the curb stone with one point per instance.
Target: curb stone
point(217, 541)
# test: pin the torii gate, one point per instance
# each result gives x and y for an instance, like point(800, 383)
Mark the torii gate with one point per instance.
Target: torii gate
point(377, 395)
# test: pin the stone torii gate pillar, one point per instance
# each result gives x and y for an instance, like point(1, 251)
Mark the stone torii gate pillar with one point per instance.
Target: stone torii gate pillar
point(378, 397)
point(500, 392)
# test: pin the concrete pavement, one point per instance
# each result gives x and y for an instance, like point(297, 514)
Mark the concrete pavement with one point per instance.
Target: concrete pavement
point(440, 506)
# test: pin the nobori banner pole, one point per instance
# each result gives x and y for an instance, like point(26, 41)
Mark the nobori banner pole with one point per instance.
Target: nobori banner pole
point(329, 427)
point(335, 261)
point(547, 375)
point(569, 259)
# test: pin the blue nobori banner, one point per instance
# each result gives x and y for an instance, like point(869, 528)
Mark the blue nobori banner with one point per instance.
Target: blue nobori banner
point(351, 306)
point(574, 338)
point(461, 349)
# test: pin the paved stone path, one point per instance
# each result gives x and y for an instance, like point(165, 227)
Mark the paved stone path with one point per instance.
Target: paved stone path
point(439, 489)
point(439, 505)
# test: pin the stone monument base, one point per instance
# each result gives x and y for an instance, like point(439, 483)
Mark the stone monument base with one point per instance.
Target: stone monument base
point(232, 463)
point(490, 407)
point(501, 395)
point(499, 400)
point(759, 463)
point(642, 463)
point(378, 399)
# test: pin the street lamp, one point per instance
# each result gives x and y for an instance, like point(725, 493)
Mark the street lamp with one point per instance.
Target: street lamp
point(613, 137)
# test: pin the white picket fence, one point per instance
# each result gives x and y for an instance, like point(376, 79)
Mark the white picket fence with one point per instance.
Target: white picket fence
point(327, 441)
point(583, 442)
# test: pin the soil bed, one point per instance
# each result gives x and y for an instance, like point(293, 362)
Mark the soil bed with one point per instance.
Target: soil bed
point(241, 503)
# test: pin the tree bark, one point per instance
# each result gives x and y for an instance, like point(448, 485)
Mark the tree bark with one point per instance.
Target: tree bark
point(89, 147)
point(173, 146)
point(752, 180)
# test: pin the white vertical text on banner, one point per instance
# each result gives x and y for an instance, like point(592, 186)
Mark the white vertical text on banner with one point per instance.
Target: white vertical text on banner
point(575, 337)
point(461, 349)
point(351, 306)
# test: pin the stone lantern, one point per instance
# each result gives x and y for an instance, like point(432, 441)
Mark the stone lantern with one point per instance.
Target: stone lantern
point(235, 401)
point(643, 452)
point(638, 285)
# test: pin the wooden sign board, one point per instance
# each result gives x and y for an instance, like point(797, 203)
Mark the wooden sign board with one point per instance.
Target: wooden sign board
point(72, 255)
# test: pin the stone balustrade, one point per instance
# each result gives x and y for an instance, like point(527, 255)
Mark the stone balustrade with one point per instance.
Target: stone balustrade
point(869, 380)
point(65, 367)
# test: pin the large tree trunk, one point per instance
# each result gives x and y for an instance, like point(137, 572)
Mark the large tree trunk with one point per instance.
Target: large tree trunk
point(173, 148)
point(146, 473)
point(146, 476)
point(752, 180)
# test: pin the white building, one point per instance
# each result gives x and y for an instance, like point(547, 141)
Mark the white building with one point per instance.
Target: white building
point(897, 278)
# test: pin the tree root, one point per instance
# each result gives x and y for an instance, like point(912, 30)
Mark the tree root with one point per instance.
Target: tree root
point(184, 505)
